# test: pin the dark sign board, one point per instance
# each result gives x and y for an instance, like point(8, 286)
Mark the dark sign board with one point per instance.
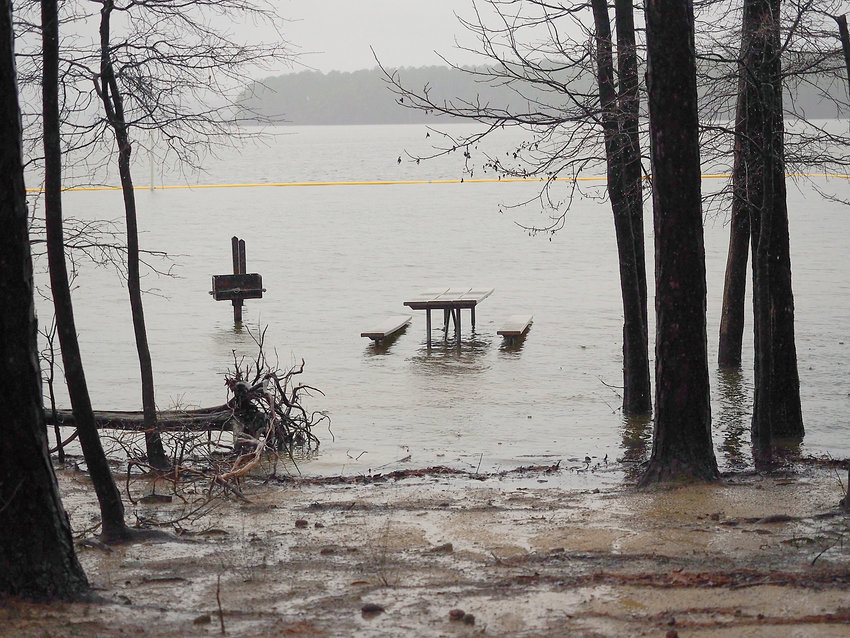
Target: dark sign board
point(247, 286)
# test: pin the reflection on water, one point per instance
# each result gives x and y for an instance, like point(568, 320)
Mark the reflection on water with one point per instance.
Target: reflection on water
point(733, 418)
point(636, 445)
point(512, 347)
point(449, 357)
point(382, 347)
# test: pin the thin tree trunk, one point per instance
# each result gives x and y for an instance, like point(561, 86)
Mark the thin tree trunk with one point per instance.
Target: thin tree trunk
point(618, 150)
point(682, 445)
point(731, 339)
point(735, 283)
point(640, 401)
point(845, 42)
point(629, 101)
point(37, 556)
point(113, 105)
point(108, 496)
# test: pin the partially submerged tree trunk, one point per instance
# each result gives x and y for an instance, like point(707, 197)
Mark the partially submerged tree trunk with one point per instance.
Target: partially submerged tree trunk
point(218, 417)
point(619, 122)
point(111, 507)
point(113, 106)
point(777, 411)
point(37, 556)
point(735, 283)
point(734, 291)
point(682, 446)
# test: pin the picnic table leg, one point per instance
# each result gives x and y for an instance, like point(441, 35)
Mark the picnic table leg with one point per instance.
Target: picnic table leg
point(428, 326)
point(456, 317)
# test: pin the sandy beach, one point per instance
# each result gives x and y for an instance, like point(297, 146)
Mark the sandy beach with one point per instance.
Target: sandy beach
point(433, 553)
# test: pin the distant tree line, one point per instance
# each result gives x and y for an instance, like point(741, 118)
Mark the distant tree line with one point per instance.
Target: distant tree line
point(361, 97)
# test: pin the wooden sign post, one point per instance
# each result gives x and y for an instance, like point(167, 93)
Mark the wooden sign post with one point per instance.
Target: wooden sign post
point(240, 285)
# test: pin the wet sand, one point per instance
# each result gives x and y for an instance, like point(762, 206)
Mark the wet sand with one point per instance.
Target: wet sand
point(441, 555)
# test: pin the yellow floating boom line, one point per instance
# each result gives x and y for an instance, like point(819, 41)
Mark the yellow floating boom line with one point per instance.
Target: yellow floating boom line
point(399, 182)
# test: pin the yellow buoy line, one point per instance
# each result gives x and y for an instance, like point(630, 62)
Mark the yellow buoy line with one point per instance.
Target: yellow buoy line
point(397, 182)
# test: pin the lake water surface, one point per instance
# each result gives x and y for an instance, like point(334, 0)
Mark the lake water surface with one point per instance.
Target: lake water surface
point(335, 259)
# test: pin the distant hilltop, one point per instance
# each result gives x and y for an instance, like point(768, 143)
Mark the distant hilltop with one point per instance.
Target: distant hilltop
point(358, 97)
point(363, 97)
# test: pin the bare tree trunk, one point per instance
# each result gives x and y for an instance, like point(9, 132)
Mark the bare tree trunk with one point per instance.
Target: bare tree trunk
point(735, 283)
point(734, 291)
point(108, 496)
point(620, 163)
point(682, 446)
point(777, 411)
point(845, 42)
point(845, 47)
point(629, 99)
point(37, 556)
point(113, 106)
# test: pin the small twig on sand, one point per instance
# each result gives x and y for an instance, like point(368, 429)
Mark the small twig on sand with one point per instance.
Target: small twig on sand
point(827, 548)
point(218, 600)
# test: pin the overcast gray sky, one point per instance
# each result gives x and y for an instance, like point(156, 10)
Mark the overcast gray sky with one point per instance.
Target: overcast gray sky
point(337, 34)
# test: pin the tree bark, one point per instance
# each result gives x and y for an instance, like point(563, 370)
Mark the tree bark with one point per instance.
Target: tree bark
point(108, 496)
point(844, 35)
point(735, 283)
point(625, 192)
point(731, 339)
point(777, 411)
point(110, 95)
point(629, 99)
point(682, 445)
point(37, 556)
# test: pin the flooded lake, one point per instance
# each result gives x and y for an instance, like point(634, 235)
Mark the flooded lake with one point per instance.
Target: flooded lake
point(335, 259)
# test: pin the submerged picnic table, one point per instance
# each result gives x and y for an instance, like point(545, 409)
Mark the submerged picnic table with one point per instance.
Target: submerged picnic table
point(451, 301)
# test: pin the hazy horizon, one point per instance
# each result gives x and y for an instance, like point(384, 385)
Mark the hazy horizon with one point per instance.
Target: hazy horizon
point(340, 35)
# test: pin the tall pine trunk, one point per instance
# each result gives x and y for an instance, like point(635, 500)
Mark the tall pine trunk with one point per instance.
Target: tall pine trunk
point(108, 496)
point(110, 95)
point(37, 558)
point(622, 159)
point(682, 445)
point(777, 411)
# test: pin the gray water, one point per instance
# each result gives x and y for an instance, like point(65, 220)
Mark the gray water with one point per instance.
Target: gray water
point(335, 259)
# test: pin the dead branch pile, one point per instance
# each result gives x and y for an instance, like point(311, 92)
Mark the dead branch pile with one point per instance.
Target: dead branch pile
point(264, 414)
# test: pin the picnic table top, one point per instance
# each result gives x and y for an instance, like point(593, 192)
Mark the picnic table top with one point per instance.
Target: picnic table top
point(449, 298)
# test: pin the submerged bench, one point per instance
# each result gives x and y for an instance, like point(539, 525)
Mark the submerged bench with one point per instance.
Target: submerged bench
point(387, 327)
point(515, 326)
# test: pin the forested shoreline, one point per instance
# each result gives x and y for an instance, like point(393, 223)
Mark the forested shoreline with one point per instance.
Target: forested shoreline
point(363, 97)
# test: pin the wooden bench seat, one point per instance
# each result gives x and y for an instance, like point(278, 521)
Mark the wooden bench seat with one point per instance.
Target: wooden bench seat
point(515, 326)
point(387, 327)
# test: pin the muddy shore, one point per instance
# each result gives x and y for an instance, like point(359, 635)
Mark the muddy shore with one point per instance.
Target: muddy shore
point(433, 554)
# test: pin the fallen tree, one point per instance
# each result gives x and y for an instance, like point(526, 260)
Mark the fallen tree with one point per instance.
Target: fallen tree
point(217, 417)
point(264, 411)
